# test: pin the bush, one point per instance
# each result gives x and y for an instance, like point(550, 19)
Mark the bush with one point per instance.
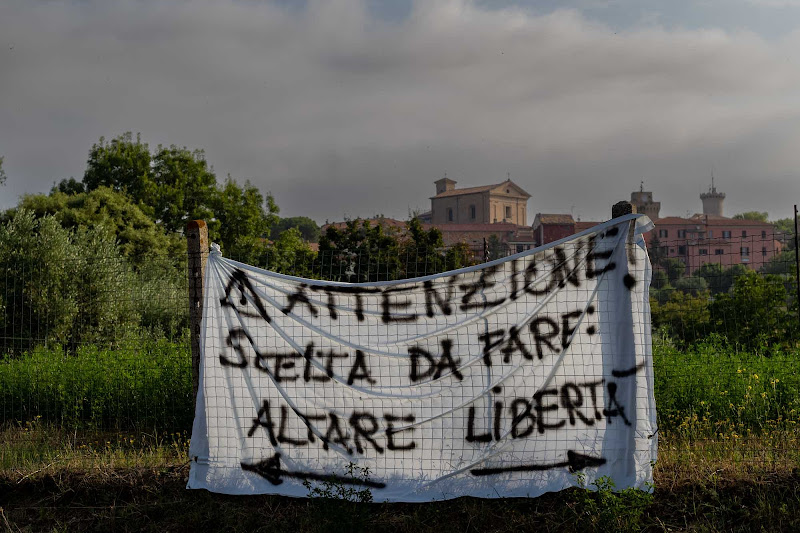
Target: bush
point(75, 286)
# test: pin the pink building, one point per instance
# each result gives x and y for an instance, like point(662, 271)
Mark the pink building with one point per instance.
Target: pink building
point(714, 239)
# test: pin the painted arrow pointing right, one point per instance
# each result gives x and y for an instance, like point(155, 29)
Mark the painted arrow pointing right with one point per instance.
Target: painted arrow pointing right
point(575, 462)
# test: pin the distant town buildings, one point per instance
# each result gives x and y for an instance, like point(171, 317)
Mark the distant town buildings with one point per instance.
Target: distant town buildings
point(709, 237)
point(497, 214)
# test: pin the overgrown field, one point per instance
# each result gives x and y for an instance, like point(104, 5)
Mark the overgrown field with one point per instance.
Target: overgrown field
point(143, 385)
point(98, 440)
point(708, 391)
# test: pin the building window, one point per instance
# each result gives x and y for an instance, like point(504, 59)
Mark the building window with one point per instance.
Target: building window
point(662, 233)
point(763, 234)
point(744, 233)
point(745, 251)
point(508, 212)
point(472, 212)
point(710, 234)
point(764, 251)
point(449, 214)
point(681, 233)
point(681, 250)
point(703, 251)
point(719, 251)
point(726, 234)
point(672, 250)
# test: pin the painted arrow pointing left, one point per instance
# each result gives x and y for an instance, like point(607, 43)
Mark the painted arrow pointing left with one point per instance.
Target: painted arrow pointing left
point(270, 469)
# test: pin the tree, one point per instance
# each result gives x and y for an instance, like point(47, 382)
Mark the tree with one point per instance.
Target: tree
point(68, 186)
point(290, 254)
point(660, 289)
point(182, 188)
point(718, 278)
point(422, 251)
point(36, 254)
point(656, 251)
point(693, 285)
point(361, 251)
point(174, 185)
point(140, 239)
point(243, 219)
point(675, 269)
point(784, 230)
point(684, 316)
point(660, 280)
point(782, 263)
point(758, 216)
point(714, 275)
point(307, 227)
point(754, 313)
point(496, 248)
point(460, 255)
point(123, 165)
point(69, 286)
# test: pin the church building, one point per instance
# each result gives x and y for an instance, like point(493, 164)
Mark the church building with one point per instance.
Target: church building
point(504, 202)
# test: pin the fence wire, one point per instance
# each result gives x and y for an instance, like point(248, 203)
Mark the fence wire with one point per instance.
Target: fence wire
point(99, 344)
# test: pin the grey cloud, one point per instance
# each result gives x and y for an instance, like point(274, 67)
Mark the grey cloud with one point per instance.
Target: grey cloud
point(337, 112)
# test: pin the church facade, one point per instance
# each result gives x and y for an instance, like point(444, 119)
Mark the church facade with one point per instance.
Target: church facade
point(504, 202)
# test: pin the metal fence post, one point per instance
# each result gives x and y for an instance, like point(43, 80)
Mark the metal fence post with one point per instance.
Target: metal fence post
point(197, 249)
point(796, 262)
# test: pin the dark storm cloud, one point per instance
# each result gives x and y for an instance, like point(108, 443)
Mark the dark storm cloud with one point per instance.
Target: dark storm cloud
point(338, 111)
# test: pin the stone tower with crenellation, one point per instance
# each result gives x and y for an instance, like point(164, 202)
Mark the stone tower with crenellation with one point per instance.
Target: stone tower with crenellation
point(712, 200)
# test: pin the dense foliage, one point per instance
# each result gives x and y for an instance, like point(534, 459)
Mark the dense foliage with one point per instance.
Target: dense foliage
point(75, 285)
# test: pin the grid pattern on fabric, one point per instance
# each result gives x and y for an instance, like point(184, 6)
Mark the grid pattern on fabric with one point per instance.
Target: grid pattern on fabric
point(499, 380)
point(95, 349)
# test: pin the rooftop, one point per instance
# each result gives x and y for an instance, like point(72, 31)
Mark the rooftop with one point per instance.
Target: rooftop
point(554, 219)
point(708, 220)
point(482, 188)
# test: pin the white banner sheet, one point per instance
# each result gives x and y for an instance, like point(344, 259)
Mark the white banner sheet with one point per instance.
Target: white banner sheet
point(503, 379)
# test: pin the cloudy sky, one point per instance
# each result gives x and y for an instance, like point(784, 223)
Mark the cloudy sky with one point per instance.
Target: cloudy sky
point(354, 107)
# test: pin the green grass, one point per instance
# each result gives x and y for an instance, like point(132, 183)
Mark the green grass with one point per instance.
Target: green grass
point(143, 385)
point(98, 441)
point(709, 391)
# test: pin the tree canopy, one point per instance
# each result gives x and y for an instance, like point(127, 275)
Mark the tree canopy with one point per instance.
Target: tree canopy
point(309, 230)
point(174, 185)
point(138, 236)
point(759, 216)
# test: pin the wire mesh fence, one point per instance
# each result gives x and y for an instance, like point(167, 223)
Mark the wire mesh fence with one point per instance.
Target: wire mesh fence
point(98, 343)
